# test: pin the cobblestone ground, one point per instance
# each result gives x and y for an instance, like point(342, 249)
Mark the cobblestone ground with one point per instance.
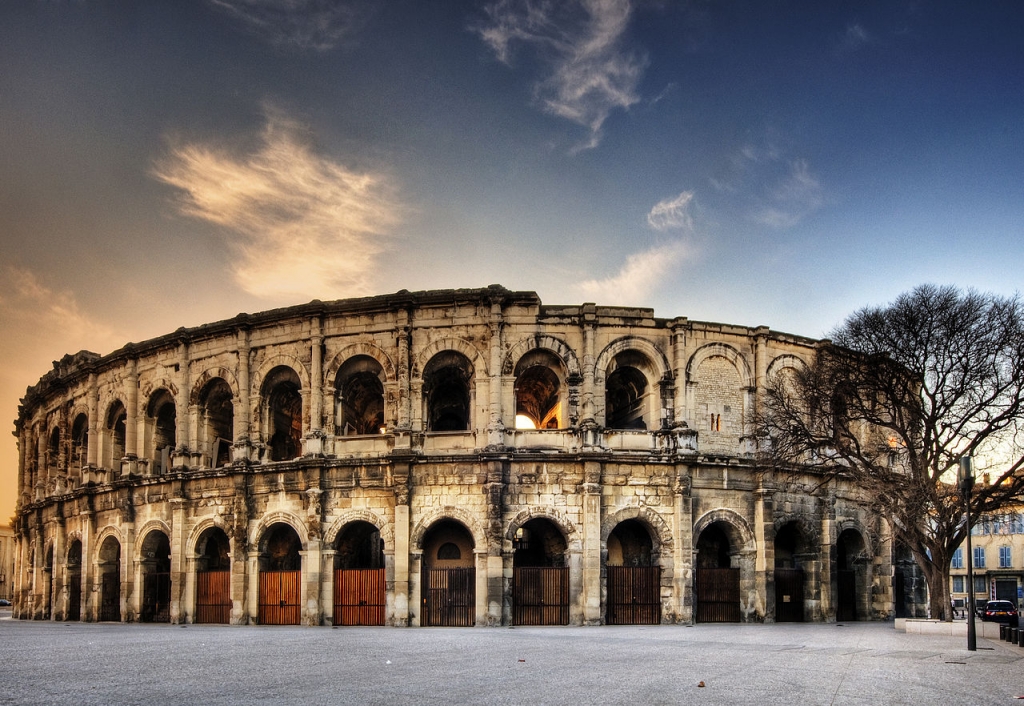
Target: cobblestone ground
point(866, 663)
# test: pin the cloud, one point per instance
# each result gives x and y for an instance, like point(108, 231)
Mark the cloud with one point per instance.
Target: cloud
point(302, 225)
point(316, 25)
point(854, 38)
point(798, 195)
point(642, 273)
point(587, 71)
point(672, 213)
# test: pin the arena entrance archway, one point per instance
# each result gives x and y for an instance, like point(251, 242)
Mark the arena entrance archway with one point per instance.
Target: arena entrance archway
point(540, 575)
point(359, 589)
point(109, 571)
point(851, 576)
point(74, 581)
point(213, 577)
point(155, 568)
point(633, 577)
point(280, 570)
point(717, 583)
point(449, 576)
point(791, 551)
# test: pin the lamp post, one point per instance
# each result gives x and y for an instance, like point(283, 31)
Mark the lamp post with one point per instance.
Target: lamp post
point(965, 479)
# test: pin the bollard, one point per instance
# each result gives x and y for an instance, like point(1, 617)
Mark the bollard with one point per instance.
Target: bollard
point(1020, 636)
point(1003, 629)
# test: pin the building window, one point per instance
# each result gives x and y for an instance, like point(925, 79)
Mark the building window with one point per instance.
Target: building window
point(980, 584)
point(979, 557)
point(958, 584)
point(958, 559)
point(1004, 557)
point(1016, 525)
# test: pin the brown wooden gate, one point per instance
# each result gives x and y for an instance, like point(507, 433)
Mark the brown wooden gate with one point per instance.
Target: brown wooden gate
point(213, 597)
point(789, 595)
point(110, 596)
point(634, 595)
point(449, 597)
point(279, 598)
point(540, 595)
point(846, 588)
point(359, 597)
point(718, 596)
point(156, 597)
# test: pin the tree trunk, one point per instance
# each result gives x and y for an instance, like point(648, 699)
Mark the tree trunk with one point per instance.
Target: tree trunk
point(937, 578)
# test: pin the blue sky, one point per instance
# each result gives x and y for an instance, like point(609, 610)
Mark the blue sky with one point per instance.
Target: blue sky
point(758, 163)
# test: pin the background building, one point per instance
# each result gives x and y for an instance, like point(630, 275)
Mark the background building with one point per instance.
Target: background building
point(7, 547)
point(997, 542)
point(457, 457)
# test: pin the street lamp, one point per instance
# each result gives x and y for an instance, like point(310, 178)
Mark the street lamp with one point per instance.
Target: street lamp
point(965, 479)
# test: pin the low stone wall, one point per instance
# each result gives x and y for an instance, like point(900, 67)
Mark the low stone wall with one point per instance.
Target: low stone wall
point(941, 627)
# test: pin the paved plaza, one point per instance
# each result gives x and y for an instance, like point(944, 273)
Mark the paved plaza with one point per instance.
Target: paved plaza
point(862, 663)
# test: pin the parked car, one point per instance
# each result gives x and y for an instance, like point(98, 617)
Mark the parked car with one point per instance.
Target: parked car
point(1000, 612)
point(4, 602)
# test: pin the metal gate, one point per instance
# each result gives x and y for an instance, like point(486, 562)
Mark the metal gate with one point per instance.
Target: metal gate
point(540, 595)
point(846, 588)
point(789, 595)
point(359, 597)
point(156, 597)
point(1006, 590)
point(110, 597)
point(279, 598)
point(718, 596)
point(213, 597)
point(449, 597)
point(634, 595)
point(75, 595)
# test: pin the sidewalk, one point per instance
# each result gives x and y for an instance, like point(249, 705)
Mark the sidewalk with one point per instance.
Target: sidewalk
point(858, 663)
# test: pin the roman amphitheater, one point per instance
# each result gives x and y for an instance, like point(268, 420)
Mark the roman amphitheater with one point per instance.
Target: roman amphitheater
point(457, 457)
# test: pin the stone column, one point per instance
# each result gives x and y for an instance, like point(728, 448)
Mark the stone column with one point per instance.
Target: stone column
point(180, 607)
point(130, 591)
point(764, 560)
point(496, 421)
point(311, 615)
point(591, 594)
point(828, 522)
point(495, 583)
point(183, 413)
point(683, 501)
point(327, 585)
point(93, 448)
point(59, 572)
point(399, 597)
point(679, 328)
point(316, 377)
point(241, 449)
point(131, 436)
point(589, 406)
point(252, 570)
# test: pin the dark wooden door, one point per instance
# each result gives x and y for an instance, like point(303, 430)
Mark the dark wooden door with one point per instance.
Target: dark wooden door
point(718, 596)
point(634, 595)
point(540, 595)
point(279, 598)
point(449, 597)
point(213, 597)
point(156, 597)
point(789, 595)
point(75, 595)
point(846, 589)
point(359, 597)
point(110, 596)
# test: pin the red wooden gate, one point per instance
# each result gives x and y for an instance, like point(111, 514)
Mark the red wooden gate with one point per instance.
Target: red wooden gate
point(634, 595)
point(718, 596)
point(540, 595)
point(449, 597)
point(789, 595)
point(359, 597)
point(213, 597)
point(279, 598)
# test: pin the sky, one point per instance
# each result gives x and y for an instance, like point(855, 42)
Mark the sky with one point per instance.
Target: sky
point(168, 164)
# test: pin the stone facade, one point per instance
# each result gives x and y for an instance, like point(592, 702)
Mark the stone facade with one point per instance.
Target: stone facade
point(459, 457)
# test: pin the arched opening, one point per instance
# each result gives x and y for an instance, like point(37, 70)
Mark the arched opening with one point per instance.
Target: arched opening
point(109, 571)
point(791, 552)
point(449, 576)
point(627, 393)
point(280, 567)
point(161, 419)
point(359, 590)
point(359, 401)
point(155, 567)
point(539, 391)
point(283, 413)
point(633, 576)
point(216, 422)
point(717, 582)
point(213, 577)
point(851, 578)
point(540, 575)
point(53, 453)
point(74, 581)
point(48, 584)
point(446, 391)
point(114, 449)
point(79, 446)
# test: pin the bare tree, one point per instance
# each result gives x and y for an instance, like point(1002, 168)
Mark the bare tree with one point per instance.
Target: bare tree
point(892, 403)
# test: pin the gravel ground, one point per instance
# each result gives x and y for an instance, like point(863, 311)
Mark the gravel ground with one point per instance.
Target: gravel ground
point(864, 663)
